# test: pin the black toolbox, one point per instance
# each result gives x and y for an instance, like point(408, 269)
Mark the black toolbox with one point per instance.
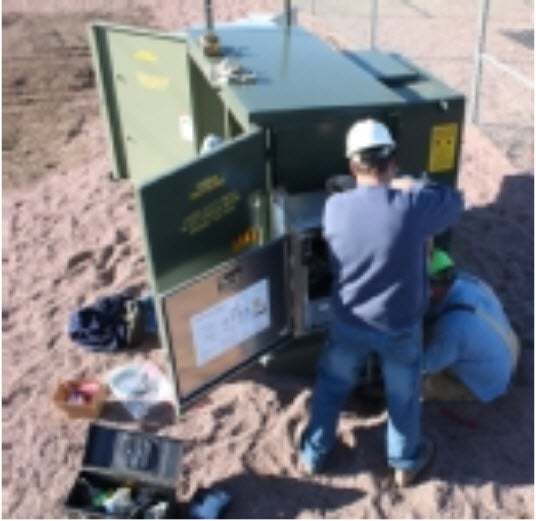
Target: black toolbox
point(127, 474)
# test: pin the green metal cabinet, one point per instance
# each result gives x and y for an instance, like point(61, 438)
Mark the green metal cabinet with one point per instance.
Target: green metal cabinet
point(218, 268)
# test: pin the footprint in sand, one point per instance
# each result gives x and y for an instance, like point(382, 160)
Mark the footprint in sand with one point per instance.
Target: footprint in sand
point(78, 259)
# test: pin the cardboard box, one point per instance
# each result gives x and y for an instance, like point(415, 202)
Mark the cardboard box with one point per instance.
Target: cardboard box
point(80, 398)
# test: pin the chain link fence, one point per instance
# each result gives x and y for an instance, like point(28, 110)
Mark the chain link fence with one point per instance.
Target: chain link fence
point(454, 41)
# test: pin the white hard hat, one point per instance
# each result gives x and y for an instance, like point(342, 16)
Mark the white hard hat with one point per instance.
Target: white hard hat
point(368, 133)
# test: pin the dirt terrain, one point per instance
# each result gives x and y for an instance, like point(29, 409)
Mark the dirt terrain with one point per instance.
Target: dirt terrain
point(70, 235)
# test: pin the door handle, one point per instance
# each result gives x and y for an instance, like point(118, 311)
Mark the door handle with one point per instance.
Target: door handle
point(230, 279)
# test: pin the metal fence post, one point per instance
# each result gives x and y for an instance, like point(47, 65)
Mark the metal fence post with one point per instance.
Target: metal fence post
point(288, 13)
point(479, 51)
point(209, 20)
point(373, 22)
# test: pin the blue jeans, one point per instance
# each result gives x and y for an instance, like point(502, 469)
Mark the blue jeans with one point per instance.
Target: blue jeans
point(345, 354)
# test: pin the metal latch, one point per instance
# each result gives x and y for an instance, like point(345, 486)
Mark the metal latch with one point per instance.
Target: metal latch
point(229, 71)
point(230, 280)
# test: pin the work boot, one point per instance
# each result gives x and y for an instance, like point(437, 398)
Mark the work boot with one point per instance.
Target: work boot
point(404, 478)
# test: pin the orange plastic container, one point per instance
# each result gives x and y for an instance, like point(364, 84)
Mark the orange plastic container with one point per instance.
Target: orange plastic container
point(80, 398)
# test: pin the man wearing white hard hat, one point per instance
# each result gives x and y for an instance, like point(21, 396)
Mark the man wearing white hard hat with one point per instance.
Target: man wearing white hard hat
point(376, 234)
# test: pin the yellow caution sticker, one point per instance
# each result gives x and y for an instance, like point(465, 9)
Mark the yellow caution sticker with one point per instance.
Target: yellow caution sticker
point(248, 237)
point(152, 81)
point(204, 217)
point(443, 143)
point(206, 185)
point(144, 55)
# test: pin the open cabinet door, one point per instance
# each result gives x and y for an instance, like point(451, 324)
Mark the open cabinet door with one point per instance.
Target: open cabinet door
point(226, 319)
point(144, 83)
point(221, 294)
point(202, 213)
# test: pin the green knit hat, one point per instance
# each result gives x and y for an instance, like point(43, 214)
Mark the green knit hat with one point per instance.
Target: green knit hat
point(439, 261)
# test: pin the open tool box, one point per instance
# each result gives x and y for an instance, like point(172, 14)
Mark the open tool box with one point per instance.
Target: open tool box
point(127, 474)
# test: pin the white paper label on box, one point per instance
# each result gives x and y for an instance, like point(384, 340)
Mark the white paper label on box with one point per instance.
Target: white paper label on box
point(230, 322)
point(186, 128)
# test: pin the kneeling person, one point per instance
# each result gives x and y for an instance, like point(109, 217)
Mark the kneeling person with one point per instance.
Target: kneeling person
point(468, 331)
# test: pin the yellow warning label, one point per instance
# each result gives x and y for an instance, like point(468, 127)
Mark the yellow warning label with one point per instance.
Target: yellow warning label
point(204, 217)
point(152, 81)
point(144, 55)
point(249, 236)
point(443, 141)
point(206, 185)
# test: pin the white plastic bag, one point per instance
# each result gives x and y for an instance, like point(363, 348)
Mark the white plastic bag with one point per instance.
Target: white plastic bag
point(139, 386)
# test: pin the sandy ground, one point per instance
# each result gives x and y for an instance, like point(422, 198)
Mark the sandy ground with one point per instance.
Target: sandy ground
point(71, 235)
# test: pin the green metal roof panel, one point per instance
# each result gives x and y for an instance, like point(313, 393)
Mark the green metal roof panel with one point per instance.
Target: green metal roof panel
point(426, 91)
point(295, 70)
point(386, 67)
point(405, 78)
